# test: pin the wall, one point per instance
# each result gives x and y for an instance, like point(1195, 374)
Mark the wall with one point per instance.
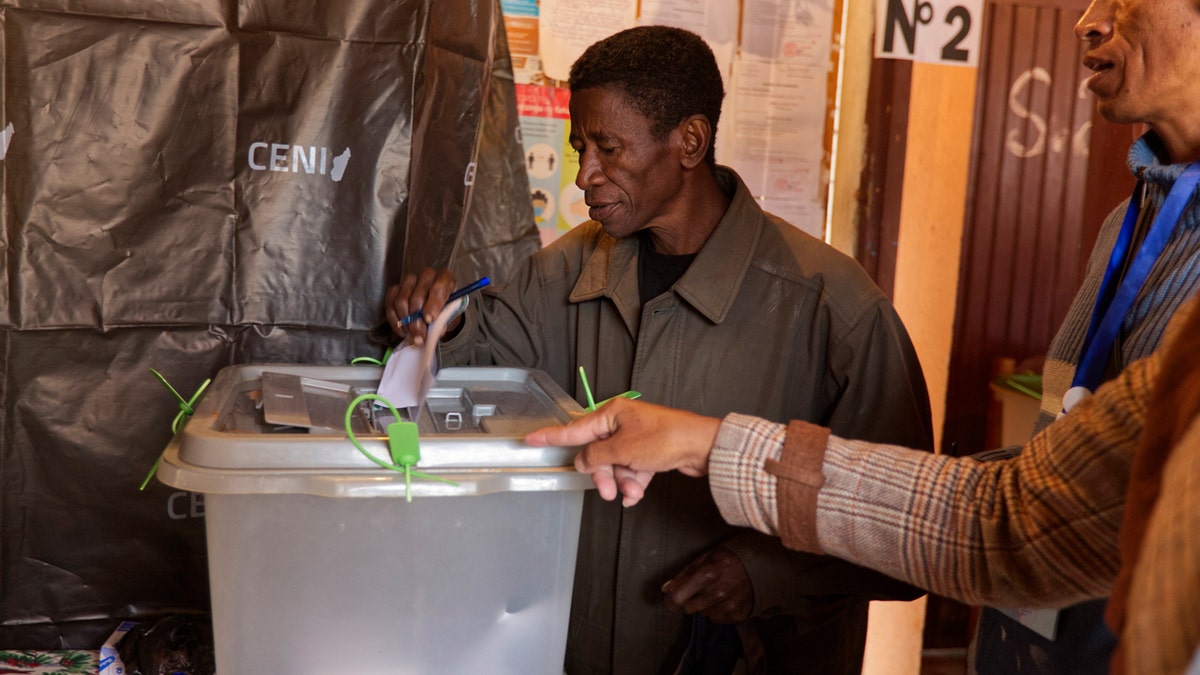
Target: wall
point(927, 265)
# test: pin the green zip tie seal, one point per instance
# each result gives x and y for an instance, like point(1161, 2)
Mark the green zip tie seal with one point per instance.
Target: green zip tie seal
point(403, 445)
point(370, 360)
point(186, 410)
point(587, 390)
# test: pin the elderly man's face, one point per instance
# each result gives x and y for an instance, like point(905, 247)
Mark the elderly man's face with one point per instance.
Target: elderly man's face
point(630, 180)
point(1146, 60)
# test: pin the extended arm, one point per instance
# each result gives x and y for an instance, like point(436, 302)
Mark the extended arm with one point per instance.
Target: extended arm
point(1036, 529)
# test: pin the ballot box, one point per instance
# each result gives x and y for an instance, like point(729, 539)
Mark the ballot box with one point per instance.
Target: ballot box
point(323, 561)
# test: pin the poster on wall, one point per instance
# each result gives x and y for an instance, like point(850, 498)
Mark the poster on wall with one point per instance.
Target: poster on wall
point(550, 160)
point(569, 27)
point(542, 107)
point(772, 129)
point(777, 106)
point(716, 22)
point(521, 26)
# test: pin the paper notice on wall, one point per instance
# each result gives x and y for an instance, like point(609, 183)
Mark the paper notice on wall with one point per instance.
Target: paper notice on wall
point(776, 108)
point(714, 20)
point(521, 27)
point(568, 27)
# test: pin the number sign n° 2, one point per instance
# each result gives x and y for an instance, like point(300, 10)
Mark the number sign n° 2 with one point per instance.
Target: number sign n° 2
point(930, 31)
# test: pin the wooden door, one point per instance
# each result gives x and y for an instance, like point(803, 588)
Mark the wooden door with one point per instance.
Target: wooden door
point(1045, 171)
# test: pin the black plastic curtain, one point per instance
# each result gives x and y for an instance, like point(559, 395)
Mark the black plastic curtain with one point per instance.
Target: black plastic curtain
point(191, 184)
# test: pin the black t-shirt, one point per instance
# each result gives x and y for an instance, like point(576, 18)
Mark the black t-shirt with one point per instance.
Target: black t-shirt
point(657, 272)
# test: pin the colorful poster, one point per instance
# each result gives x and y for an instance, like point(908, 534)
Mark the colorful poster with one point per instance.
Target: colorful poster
point(772, 124)
point(549, 159)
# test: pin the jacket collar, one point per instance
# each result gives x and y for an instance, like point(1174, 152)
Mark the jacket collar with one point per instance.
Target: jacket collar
point(712, 281)
point(611, 271)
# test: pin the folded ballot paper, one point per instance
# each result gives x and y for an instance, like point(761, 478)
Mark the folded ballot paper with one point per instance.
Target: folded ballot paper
point(411, 371)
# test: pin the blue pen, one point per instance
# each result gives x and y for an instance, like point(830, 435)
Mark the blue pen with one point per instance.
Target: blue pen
point(453, 296)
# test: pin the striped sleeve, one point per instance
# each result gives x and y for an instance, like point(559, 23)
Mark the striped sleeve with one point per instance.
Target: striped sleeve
point(1039, 529)
point(743, 491)
point(1036, 530)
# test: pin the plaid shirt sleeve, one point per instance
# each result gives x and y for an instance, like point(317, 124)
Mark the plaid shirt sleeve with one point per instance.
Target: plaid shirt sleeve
point(1039, 529)
point(743, 491)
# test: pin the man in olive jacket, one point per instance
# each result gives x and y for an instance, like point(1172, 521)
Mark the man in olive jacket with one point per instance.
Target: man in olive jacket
point(681, 287)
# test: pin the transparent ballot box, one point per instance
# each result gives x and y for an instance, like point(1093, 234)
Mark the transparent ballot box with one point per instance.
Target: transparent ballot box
point(320, 563)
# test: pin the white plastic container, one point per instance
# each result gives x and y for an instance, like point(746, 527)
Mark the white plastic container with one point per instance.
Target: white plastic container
point(319, 565)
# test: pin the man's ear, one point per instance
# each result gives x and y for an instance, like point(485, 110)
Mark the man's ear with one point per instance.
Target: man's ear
point(695, 135)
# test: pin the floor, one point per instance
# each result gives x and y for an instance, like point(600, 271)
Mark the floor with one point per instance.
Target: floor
point(944, 662)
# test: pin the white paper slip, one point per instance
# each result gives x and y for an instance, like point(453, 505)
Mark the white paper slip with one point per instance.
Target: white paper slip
point(410, 371)
point(401, 381)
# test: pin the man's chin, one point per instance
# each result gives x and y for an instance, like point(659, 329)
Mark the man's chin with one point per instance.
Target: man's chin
point(614, 229)
point(1112, 111)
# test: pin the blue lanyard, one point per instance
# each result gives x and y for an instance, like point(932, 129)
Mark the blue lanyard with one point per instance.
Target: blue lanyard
point(1116, 297)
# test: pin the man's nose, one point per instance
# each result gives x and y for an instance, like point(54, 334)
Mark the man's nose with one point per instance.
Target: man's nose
point(1096, 22)
point(590, 173)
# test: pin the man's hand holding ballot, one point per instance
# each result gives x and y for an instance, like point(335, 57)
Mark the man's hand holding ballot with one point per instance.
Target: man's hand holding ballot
point(427, 293)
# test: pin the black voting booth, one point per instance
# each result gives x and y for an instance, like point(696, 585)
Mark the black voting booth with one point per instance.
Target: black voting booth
point(197, 183)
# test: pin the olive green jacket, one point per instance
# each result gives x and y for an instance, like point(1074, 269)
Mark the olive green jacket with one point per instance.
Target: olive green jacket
point(767, 321)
